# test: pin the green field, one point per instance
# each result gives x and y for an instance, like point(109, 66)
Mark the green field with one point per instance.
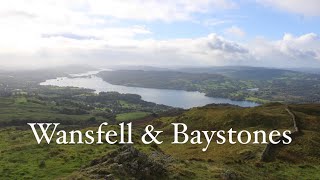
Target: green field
point(131, 116)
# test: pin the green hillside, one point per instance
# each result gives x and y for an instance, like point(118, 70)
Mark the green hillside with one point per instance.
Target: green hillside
point(299, 159)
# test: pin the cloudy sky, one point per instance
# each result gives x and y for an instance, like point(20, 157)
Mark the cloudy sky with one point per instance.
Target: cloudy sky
point(274, 33)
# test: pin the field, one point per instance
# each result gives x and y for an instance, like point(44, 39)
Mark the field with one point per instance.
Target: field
point(131, 116)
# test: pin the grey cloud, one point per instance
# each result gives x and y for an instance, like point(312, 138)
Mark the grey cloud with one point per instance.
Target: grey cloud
point(217, 43)
point(303, 54)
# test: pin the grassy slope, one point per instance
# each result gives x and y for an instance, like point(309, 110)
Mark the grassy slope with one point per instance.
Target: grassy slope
point(21, 157)
point(299, 159)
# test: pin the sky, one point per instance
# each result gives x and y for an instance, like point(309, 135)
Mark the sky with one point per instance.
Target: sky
point(164, 33)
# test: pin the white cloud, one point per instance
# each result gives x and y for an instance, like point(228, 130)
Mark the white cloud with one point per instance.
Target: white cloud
point(215, 22)
point(290, 51)
point(235, 31)
point(165, 10)
point(27, 25)
point(42, 33)
point(303, 7)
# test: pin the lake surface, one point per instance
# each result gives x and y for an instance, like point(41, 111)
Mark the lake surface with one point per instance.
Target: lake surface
point(174, 98)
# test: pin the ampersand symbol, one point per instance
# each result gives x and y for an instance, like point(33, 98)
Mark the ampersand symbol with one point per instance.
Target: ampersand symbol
point(149, 129)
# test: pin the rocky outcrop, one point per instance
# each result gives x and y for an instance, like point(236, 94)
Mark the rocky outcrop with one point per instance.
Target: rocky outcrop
point(229, 175)
point(128, 163)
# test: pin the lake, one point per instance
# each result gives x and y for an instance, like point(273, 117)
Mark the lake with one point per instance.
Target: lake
point(174, 98)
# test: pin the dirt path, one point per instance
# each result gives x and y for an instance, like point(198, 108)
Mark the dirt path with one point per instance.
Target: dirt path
point(293, 117)
point(268, 152)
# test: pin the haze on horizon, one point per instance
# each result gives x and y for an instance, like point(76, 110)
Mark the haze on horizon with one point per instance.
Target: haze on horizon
point(269, 33)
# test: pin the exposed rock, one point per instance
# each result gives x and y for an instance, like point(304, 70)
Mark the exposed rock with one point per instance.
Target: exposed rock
point(229, 175)
point(129, 163)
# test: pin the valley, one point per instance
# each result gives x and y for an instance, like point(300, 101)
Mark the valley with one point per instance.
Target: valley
point(24, 101)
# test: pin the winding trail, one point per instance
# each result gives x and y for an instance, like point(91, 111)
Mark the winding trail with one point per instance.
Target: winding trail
point(267, 152)
point(293, 116)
